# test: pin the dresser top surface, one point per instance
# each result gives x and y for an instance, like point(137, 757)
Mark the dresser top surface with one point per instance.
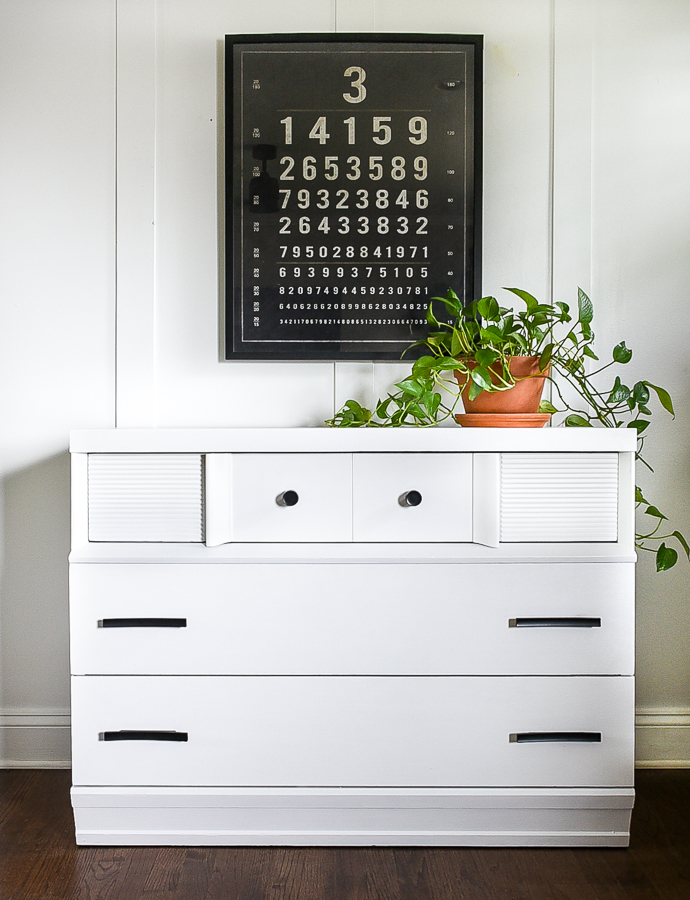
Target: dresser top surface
point(352, 440)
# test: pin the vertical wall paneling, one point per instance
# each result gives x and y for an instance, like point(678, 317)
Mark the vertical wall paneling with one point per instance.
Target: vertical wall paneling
point(136, 180)
point(572, 149)
point(193, 386)
point(641, 282)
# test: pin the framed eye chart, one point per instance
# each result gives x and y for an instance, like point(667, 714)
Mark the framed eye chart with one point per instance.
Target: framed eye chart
point(353, 190)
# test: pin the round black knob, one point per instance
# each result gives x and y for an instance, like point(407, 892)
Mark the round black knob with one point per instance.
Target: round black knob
point(410, 498)
point(287, 498)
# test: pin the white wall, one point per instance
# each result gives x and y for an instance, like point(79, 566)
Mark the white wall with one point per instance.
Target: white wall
point(56, 335)
point(586, 182)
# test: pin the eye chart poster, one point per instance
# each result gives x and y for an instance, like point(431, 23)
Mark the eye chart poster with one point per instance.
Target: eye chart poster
point(353, 190)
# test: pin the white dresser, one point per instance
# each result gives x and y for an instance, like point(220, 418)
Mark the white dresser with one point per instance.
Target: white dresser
point(353, 636)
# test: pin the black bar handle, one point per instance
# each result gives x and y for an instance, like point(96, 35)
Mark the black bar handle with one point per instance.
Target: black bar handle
point(556, 737)
point(142, 623)
point(555, 622)
point(178, 736)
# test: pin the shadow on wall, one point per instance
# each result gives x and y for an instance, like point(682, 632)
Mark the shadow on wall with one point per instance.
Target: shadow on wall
point(34, 644)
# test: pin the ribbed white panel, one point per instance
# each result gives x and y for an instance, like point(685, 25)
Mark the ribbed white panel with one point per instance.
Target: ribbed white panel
point(145, 497)
point(559, 497)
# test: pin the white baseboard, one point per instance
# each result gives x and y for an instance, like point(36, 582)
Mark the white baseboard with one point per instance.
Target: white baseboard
point(40, 739)
point(662, 737)
point(34, 739)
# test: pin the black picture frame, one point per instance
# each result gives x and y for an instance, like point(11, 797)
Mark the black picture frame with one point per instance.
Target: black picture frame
point(351, 160)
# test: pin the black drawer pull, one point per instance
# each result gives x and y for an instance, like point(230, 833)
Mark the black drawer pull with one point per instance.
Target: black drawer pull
point(142, 623)
point(556, 622)
point(410, 498)
point(287, 498)
point(179, 736)
point(556, 737)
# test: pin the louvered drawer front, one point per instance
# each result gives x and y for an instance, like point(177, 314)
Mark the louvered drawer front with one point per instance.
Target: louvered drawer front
point(352, 731)
point(559, 497)
point(352, 619)
point(145, 497)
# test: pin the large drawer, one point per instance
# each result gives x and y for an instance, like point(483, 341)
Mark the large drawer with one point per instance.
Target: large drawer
point(330, 731)
point(384, 619)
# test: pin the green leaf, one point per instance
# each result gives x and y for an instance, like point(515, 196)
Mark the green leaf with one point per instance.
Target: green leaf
point(546, 407)
point(431, 403)
point(474, 391)
point(666, 558)
point(681, 540)
point(653, 511)
point(456, 345)
point(488, 309)
point(640, 393)
point(639, 498)
point(482, 377)
point(529, 300)
point(585, 308)
point(621, 353)
point(575, 421)
point(423, 364)
point(619, 393)
point(545, 357)
point(639, 424)
point(410, 386)
point(431, 318)
point(445, 362)
point(486, 356)
point(664, 397)
point(452, 303)
point(587, 351)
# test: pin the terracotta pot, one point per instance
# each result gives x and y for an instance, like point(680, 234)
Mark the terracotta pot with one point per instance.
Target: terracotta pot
point(523, 398)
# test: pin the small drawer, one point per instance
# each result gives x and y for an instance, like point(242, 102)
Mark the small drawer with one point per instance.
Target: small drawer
point(302, 497)
point(418, 732)
point(350, 619)
point(419, 497)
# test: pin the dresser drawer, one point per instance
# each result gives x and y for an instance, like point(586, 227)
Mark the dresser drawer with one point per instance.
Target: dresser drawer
point(352, 731)
point(416, 497)
point(291, 497)
point(349, 619)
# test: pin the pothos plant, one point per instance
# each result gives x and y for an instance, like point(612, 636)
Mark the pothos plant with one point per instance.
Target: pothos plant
point(472, 347)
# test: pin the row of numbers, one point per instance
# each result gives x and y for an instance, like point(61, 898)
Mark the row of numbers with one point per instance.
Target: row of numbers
point(351, 306)
point(342, 321)
point(408, 291)
point(353, 272)
point(382, 225)
point(337, 252)
point(381, 131)
point(341, 198)
point(331, 164)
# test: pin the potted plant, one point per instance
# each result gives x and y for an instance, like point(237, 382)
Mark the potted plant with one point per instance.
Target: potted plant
point(484, 350)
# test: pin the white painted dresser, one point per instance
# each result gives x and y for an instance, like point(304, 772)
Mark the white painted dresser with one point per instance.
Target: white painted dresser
point(354, 636)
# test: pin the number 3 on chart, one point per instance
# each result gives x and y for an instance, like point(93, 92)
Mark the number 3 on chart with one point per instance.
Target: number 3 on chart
point(357, 84)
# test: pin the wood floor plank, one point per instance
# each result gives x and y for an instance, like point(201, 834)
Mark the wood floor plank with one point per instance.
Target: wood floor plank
point(40, 861)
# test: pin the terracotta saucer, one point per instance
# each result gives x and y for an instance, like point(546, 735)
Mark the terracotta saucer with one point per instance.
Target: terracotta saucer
point(503, 420)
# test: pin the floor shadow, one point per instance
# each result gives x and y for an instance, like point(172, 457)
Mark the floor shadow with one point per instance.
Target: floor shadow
point(34, 637)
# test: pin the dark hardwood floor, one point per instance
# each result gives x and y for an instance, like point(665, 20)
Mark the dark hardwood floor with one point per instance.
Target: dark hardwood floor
point(39, 860)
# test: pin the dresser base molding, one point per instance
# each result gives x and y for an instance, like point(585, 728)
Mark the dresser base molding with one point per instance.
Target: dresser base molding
point(477, 817)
